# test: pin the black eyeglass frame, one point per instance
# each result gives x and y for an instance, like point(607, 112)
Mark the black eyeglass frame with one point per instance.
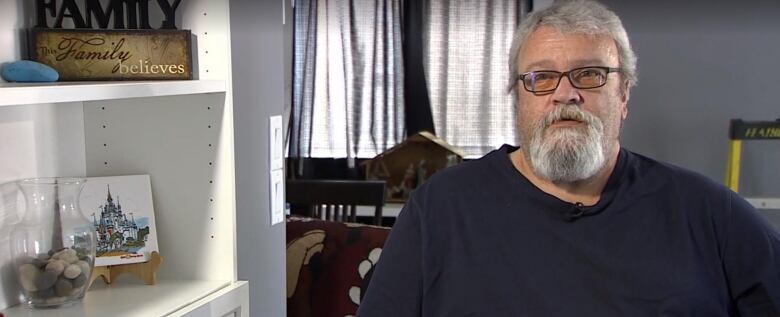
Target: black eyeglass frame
point(608, 70)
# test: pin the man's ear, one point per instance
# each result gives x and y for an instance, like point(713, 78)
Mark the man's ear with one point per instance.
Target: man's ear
point(626, 91)
point(624, 98)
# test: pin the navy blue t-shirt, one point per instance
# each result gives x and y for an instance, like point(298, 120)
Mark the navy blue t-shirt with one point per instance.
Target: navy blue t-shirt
point(479, 239)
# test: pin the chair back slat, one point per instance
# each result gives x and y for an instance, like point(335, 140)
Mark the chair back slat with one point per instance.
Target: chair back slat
point(341, 197)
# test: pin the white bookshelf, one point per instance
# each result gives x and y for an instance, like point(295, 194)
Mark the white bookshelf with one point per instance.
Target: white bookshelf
point(14, 94)
point(179, 132)
point(165, 298)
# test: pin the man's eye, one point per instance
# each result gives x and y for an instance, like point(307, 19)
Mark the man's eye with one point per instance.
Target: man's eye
point(589, 73)
point(543, 76)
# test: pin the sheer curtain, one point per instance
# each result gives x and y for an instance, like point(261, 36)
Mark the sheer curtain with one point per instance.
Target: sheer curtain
point(348, 78)
point(466, 54)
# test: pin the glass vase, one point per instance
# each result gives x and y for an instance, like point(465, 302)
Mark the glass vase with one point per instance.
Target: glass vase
point(53, 247)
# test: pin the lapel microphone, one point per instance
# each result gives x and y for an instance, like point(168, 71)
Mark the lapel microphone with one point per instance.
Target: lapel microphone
point(577, 211)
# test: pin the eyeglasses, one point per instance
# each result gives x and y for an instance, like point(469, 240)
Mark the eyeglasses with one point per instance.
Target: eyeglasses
point(582, 78)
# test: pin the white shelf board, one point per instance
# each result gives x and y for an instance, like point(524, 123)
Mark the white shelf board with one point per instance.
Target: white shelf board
point(129, 299)
point(12, 94)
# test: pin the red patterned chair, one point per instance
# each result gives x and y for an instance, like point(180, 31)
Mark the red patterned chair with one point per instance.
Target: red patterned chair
point(329, 265)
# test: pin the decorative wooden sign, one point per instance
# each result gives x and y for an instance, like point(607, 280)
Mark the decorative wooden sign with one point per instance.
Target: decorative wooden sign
point(113, 54)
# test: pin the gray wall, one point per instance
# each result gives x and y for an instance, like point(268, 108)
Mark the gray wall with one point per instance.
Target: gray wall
point(702, 63)
point(257, 36)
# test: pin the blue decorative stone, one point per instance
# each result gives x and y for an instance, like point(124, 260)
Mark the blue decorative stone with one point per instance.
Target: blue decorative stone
point(28, 71)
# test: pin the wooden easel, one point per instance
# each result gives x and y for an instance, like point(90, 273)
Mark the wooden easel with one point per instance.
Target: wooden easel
point(147, 271)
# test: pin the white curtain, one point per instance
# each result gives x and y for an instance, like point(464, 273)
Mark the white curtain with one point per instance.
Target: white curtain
point(348, 78)
point(466, 52)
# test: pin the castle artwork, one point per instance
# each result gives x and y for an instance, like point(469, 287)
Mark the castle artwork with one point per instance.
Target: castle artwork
point(120, 209)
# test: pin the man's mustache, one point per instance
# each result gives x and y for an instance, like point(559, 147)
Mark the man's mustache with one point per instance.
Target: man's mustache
point(568, 112)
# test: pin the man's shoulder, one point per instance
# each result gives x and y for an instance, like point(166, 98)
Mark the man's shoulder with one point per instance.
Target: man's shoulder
point(467, 179)
point(652, 170)
point(468, 172)
point(458, 191)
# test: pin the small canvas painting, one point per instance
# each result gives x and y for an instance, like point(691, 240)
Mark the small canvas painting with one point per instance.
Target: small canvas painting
point(120, 209)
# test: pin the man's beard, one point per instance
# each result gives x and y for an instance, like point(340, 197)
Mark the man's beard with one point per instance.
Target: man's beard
point(570, 153)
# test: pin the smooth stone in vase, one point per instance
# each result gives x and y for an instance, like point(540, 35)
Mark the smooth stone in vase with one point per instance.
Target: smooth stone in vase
point(27, 72)
point(55, 300)
point(84, 266)
point(72, 271)
point(41, 264)
point(56, 266)
point(63, 287)
point(43, 294)
point(28, 274)
point(79, 281)
point(46, 280)
point(70, 258)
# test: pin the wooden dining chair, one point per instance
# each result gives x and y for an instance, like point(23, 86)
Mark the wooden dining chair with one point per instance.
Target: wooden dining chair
point(337, 200)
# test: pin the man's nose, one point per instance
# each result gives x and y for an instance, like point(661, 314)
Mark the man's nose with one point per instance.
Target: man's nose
point(566, 93)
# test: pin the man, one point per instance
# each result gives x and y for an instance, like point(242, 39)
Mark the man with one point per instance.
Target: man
point(571, 224)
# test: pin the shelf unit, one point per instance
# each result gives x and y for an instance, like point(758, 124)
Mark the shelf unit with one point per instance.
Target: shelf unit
point(165, 298)
point(178, 132)
point(38, 93)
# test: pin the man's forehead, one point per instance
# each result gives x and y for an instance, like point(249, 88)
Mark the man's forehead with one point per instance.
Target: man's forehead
point(547, 32)
point(549, 63)
point(549, 47)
